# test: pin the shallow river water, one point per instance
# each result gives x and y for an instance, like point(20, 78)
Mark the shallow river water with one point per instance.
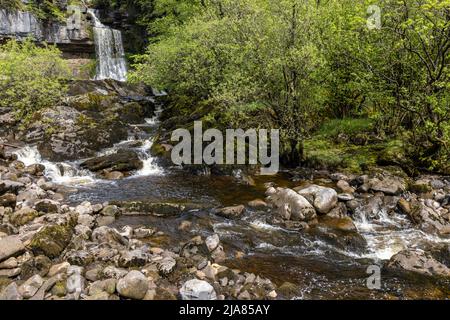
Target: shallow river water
point(318, 268)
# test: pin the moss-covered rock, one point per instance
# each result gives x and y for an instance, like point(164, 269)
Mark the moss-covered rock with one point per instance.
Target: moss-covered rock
point(51, 240)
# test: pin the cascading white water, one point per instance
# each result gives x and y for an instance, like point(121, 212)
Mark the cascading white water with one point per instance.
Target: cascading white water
point(109, 50)
point(149, 167)
point(387, 235)
point(61, 173)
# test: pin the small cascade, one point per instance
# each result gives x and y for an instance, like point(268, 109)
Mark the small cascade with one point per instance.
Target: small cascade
point(109, 51)
point(149, 166)
point(387, 235)
point(60, 173)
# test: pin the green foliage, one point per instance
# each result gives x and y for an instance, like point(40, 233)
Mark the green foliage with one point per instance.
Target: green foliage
point(347, 126)
point(31, 77)
point(47, 9)
point(11, 4)
point(295, 64)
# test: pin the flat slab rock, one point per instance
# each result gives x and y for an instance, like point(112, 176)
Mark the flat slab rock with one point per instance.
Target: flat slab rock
point(10, 246)
point(122, 160)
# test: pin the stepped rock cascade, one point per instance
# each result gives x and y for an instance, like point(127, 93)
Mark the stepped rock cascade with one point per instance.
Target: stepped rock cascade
point(109, 50)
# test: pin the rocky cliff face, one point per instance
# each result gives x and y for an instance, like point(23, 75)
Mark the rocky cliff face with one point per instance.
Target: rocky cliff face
point(72, 36)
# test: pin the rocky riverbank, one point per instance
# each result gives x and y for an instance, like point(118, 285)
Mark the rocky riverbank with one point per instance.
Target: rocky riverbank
point(50, 250)
point(89, 218)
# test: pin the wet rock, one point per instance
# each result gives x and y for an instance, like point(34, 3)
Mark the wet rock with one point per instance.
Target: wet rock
point(231, 212)
point(197, 290)
point(51, 240)
point(47, 206)
point(23, 216)
point(11, 292)
point(340, 211)
point(323, 199)
point(343, 224)
point(29, 288)
point(8, 200)
point(122, 161)
point(158, 209)
point(290, 205)
point(114, 175)
point(428, 218)
point(10, 246)
point(340, 233)
point(257, 204)
point(134, 258)
point(166, 265)
point(388, 185)
point(418, 262)
point(134, 285)
point(288, 290)
point(371, 207)
point(35, 169)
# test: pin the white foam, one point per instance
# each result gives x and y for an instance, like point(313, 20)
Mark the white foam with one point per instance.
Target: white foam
point(61, 173)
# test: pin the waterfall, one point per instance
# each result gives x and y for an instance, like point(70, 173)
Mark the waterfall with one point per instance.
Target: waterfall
point(109, 50)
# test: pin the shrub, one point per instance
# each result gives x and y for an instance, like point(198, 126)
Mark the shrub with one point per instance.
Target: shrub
point(31, 77)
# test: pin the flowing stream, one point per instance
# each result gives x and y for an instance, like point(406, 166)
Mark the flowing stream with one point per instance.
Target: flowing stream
point(317, 266)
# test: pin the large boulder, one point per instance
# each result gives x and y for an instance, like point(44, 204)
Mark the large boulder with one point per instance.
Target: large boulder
point(389, 185)
point(418, 262)
point(197, 290)
point(64, 133)
point(427, 218)
point(322, 198)
point(51, 240)
point(290, 205)
point(134, 285)
point(10, 246)
point(123, 160)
